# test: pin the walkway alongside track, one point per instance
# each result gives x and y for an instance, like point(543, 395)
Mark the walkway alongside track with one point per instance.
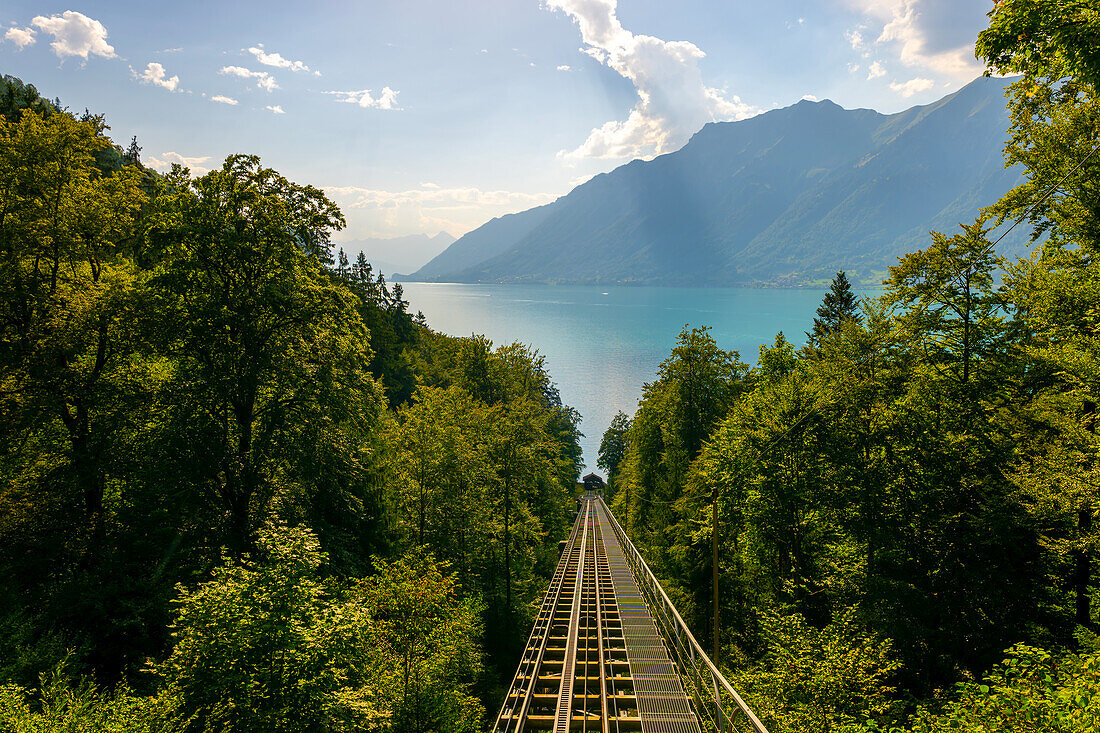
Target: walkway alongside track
point(596, 659)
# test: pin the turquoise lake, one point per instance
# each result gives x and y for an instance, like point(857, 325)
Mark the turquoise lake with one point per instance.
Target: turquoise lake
point(602, 343)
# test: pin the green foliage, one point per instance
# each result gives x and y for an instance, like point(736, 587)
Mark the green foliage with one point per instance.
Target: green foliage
point(694, 388)
point(184, 367)
point(1055, 113)
point(269, 644)
point(264, 341)
point(79, 706)
point(893, 469)
point(1031, 691)
point(947, 293)
point(1044, 39)
point(183, 363)
point(838, 306)
point(486, 461)
point(811, 679)
point(15, 97)
point(613, 448)
point(423, 640)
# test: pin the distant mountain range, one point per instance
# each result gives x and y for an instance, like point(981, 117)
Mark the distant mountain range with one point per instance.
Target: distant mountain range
point(396, 254)
point(784, 198)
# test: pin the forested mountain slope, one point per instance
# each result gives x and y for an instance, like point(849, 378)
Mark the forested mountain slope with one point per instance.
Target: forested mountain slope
point(789, 196)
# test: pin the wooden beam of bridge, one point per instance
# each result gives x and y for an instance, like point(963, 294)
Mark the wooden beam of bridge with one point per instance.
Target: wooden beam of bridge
point(599, 659)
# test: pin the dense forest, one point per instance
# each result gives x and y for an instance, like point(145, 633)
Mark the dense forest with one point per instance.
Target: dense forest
point(895, 526)
point(241, 486)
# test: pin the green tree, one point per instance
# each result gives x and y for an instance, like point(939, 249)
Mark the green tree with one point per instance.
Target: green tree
point(838, 306)
point(1047, 40)
point(80, 706)
point(1055, 135)
point(613, 449)
point(952, 308)
point(694, 389)
point(268, 645)
point(423, 638)
point(67, 288)
point(827, 679)
point(265, 342)
point(1031, 691)
point(1053, 299)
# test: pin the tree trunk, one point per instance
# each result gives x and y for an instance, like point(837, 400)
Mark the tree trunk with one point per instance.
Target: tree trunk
point(241, 504)
point(714, 564)
point(1083, 571)
point(507, 550)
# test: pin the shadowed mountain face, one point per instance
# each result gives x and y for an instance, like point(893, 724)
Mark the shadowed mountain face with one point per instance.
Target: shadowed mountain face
point(787, 197)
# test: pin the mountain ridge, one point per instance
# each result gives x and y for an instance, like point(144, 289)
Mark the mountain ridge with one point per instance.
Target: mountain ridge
point(784, 198)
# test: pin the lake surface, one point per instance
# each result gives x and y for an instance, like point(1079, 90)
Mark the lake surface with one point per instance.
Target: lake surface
point(602, 343)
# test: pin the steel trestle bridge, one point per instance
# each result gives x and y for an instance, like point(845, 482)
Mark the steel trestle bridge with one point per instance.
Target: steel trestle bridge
point(609, 653)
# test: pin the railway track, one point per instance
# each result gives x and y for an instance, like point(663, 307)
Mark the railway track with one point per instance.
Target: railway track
point(596, 660)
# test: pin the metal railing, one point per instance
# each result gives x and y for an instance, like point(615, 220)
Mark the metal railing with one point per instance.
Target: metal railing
point(715, 699)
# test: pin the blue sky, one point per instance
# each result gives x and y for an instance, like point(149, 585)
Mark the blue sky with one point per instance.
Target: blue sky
point(428, 115)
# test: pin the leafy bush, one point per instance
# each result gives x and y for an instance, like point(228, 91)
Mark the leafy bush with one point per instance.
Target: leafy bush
point(78, 706)
point(825, 680)
point(1032, 691)
point(270, 645)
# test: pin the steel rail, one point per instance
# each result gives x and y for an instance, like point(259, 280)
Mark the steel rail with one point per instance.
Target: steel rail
point(540, 633)
point(564, 715)
point(639, 668)
point(601, 643)
point(608, 679)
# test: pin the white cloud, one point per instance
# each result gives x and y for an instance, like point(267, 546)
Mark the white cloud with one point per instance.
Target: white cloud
point(564, 67)
point(853, 68)
point(263, 79)
point(854, 37)
point(810, 98)
point(875, 70)
point(276, 109)
point(21, 37)
point(75, 34)
point(222, 99)
point(156, 75)
point(673, 102)
point(801, 21)
point(937, 35)
point(374, 213)
point(911, 87)
point(165, 161)
point(276, 60)
point(387, 99)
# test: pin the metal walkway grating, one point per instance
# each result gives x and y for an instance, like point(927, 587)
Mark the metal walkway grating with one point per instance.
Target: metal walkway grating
point(662, 703)
point(597, 661)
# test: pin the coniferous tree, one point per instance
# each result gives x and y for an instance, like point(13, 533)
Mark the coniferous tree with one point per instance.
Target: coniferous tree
point(838, 306)
point(132, 156)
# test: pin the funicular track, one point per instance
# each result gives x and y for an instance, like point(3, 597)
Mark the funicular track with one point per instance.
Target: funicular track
point(598, 659)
